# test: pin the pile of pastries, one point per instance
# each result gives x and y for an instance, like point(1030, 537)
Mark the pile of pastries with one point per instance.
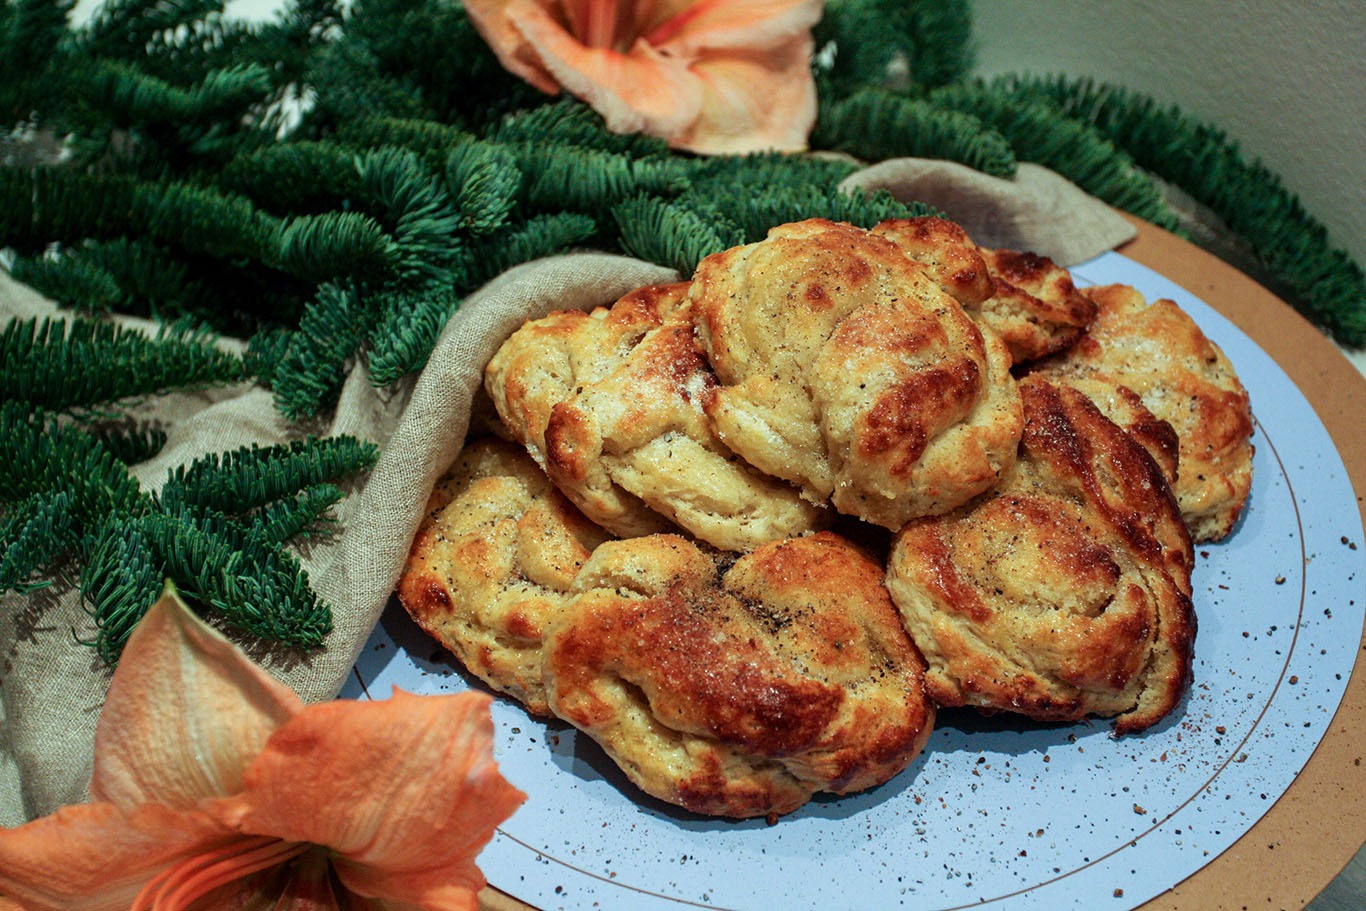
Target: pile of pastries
point(749, 532)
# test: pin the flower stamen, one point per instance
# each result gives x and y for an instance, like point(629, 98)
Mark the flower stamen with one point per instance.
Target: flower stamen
point(176, 888)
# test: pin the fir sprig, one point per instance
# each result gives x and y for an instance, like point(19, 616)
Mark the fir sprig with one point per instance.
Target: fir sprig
point(245, 479)
point(876, 124)
point(81, 365)
point(33, 534)
point(1208, 164)
point(924, 43)
point(1037, 133)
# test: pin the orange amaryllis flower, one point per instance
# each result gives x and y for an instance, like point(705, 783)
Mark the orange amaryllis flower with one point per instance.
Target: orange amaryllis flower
point(709, 76)
point(215, 787)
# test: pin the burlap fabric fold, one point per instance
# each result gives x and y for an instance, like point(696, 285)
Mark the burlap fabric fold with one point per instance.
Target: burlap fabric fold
point(52, 686)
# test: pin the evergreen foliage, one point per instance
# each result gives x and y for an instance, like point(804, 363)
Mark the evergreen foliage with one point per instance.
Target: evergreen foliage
point(63, 366)
point(218, 525)
point(332, 184)
point(878, 124)
point(1208, 164)
point(890, 42)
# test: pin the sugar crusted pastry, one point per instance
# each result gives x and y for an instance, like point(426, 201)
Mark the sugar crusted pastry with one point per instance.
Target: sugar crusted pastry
point(739, 689)
point(1184, 378)
point(1026, 299)
point(1065, 591)
point(846, 370)
point(611, 405)
point(493, 562)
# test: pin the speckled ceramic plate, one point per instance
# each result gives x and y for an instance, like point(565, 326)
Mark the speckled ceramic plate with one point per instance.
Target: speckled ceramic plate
point(997, 812)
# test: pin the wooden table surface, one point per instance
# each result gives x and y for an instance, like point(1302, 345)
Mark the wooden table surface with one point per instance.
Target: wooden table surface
point(1311, 833)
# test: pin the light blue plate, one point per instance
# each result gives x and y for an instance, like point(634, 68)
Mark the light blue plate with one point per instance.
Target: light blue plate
point(998, 813)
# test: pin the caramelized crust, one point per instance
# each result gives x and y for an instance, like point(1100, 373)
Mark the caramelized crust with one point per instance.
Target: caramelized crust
point(1026, 299)
point(740, 690)
point(946, 253)
point(492, 564)
point(1036, 308)
point(611, 404)
point(849, 372)
point(1065, 591)
point(1182, 377)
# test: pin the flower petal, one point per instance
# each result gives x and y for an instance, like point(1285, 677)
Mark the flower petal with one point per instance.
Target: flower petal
point(493, 19)
point(96, 857)
point(636, 91)
point(745, 25)
point(753, 104)
point(185, 713)
point(404, 792)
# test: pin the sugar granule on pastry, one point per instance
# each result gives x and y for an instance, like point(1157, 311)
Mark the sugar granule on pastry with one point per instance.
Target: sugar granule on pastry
point(740, 690)
point(846, 370)
point(1065, 591)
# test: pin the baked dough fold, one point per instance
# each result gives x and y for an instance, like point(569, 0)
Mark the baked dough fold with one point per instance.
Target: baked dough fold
point(739, 689)
point(1065, 591)
point(1157, 351)
point(846, 370)
point(611, 403)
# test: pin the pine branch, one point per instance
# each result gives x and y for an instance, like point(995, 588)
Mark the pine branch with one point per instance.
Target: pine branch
point(122, 29)
point(294, 517)
point(33, 534)
point(335, 245)
point(235, 483)
point(260, 589)
point(414, 204)
point(433, 141)
point(539, 236)
point(882, 42)
point(255, 587)
point(574, 123)
point(1039, 134)
point(45, 457)
point(82, 365)
point(121, 577)
point(349, 84)
point(309, 374)
point(737, 176)
point(672, 234)
point(31, 75)
point(485, 181)
point(784, 204)
point(874, 125)
point(295, 177)
point(407, 330)
point(1322, 282)
point(131, 443)
point(560, 177)
point(72, 280)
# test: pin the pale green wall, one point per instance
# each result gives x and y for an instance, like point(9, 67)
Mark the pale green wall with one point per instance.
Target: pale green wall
point(1287, 79)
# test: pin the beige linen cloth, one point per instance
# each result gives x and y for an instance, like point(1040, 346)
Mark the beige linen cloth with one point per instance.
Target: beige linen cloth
point(52, 687)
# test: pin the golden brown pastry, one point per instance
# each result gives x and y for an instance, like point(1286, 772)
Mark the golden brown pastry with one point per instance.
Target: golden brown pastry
point(1183, 378)
point(739, 690)
point(946, 253)
point(493, 562)
point(1036, 308)
point(1065, 591)
point(1026, 299)
point(849, 372)
point(611, 404)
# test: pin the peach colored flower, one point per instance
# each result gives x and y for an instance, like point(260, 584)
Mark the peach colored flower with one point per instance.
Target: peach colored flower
point(215, 787)
point(709, 76)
